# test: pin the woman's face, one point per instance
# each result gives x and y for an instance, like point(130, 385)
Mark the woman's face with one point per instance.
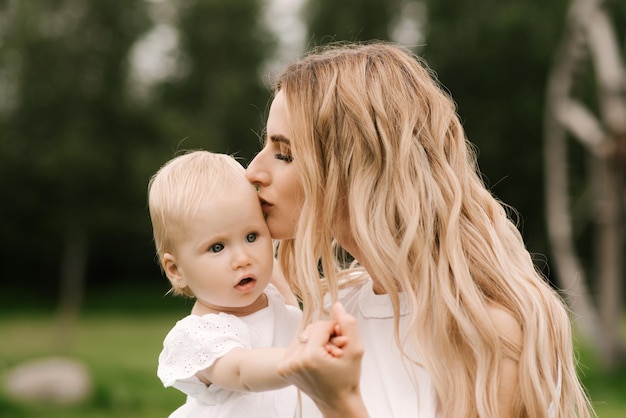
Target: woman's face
point(276, 176)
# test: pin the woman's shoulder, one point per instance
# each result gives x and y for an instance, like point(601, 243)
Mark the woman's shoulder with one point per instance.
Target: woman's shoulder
point(510, 331)
point(273, 294)
point(505, 323)
point(352, 283)
point(281, 308)
point(353, 279)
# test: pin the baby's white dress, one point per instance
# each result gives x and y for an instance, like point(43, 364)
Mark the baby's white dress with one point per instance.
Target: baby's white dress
point(196, 342)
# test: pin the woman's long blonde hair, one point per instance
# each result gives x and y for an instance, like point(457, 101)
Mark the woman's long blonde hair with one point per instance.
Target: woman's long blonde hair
point(379, 147)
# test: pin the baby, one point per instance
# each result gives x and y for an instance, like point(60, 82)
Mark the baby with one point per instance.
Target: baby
point(214, 246)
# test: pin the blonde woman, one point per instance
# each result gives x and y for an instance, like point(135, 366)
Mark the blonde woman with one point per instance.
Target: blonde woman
point(365, 154)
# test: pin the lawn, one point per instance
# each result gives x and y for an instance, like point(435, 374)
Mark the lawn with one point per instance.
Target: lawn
point(119, 337)
point(121, 353)
point(121, 348)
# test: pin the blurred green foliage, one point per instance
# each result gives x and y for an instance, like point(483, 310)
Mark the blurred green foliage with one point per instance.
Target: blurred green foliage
point(77, 147)
point(350, 20)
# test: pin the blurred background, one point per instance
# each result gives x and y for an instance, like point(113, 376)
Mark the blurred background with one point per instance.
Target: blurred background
point(96, 95)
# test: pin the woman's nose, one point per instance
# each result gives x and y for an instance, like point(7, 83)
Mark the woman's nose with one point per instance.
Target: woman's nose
point(256, 173)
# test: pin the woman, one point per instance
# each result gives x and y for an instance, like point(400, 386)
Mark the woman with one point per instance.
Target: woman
point(365, 153)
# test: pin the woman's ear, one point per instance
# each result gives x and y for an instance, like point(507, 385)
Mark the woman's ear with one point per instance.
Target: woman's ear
point(173, 271)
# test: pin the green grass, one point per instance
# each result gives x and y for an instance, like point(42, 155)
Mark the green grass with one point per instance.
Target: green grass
point(607, 388)
point(121, 352)
point(121, 348)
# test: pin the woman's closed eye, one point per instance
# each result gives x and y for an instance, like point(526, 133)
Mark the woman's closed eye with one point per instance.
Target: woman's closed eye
point(284, 152)
point(284, 157)
point(282, 147)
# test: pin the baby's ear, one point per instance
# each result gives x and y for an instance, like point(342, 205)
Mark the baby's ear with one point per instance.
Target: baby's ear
point(172, 271)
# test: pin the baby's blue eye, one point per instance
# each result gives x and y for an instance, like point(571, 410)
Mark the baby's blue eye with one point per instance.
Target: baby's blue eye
point(216, 248)
point(251, 237)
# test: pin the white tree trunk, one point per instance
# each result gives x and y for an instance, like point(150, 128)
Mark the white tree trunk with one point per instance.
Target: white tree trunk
point(604, 136)
point(610, 250)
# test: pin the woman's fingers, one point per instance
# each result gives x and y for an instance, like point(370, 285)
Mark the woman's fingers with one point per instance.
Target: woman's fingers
point(333, 350)
point(348, 330)
point(339, 341)
point(319, 333)
point(308, 348)
point(325, 360)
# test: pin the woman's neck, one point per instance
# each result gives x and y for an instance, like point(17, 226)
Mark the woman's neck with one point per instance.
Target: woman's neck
point(354, 252)
point(378, 288)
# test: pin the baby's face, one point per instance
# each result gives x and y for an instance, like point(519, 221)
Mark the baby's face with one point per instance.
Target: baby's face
point(226, 256)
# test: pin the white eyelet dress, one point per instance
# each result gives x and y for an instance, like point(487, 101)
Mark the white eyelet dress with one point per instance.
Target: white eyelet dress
point(196, 342)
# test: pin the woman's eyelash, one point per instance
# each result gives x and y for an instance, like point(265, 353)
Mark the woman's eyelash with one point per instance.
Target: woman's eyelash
point(284, 157)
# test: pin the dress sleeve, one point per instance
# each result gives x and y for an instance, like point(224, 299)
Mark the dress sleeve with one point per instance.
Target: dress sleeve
point(195, 343)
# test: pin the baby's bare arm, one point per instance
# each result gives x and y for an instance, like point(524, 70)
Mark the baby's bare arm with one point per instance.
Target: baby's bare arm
point(250, 370)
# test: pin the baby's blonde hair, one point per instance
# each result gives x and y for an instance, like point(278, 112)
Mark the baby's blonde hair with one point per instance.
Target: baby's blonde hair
point(377, 138)
point(180, 186)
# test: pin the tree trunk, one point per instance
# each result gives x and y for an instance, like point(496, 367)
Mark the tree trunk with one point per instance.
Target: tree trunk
point(570, 272)
point(610, 249)
point(604, 137)
point(73, 265)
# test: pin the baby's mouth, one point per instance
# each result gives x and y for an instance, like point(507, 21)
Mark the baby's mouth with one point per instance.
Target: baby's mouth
point(246, 284)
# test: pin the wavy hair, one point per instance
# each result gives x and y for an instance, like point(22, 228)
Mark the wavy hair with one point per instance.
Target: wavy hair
point(379, 142)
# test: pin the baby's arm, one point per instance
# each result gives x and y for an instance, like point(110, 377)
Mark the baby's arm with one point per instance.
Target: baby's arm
point(255, 370)
point(241, 369)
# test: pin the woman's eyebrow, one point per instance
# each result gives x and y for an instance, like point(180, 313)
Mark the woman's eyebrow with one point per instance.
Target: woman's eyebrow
point(280, 138)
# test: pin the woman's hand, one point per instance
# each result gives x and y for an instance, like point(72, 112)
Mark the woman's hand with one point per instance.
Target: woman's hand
point(325, 363)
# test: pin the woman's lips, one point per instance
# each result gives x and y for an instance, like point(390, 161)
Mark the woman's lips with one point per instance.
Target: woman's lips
point(265, 205)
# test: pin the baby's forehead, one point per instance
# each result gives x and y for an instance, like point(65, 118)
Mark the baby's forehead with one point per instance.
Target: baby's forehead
point(228, 194)
point(230, 189)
